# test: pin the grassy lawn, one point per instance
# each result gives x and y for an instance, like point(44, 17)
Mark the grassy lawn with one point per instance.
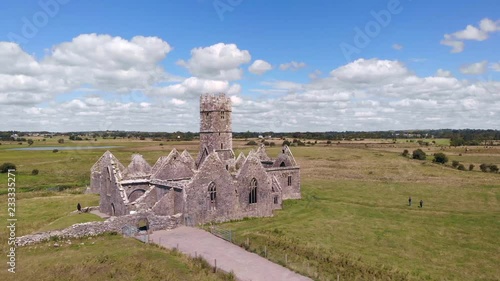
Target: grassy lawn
point(107, 257)
point(353, 219)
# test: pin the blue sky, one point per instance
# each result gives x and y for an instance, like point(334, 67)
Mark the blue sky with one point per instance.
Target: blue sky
point(406, 75)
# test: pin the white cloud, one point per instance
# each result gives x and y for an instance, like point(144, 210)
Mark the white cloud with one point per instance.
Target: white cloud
point(481, 33)
point(369, 71)
point(397, 47)
point(315, 74)
point(98, 62)
point(443, 73)
point(191, 87)
point(136, 93)
point(260, 67)
point(217, 62)
point(495, 66)
point(474, 68)
point(293, 65)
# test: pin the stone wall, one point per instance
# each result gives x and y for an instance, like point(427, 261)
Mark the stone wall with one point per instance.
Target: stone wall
point(282, 174)
point(113, 224)
point(198, 205)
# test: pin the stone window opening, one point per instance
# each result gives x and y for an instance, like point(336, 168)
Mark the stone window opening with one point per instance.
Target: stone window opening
point(289, 180)
point(221, 146)
point(222, 115)
point(275, 199)
point(282, 164)
point(252, 196)
point(212, 193)
point(227, 167)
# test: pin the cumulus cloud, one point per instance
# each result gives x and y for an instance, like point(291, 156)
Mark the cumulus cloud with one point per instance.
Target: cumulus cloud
point(480, 33)
point(99, 62)
point(191, 87)
point(218, 62)
point(474, 68)
point(260, 67)
point(443, 73)
point(105, 91)
point(369, 71)
point(293, 65)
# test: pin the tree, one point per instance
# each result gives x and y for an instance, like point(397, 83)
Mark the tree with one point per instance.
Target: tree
point(34, 172)
point(30, 142)
point(461, 167)
point(5, 167)
point(405, 153)
point(60, 140)
point(471, 167)
point(419, 154)
point(440, 158)
point(455, 163)
point(251, 143)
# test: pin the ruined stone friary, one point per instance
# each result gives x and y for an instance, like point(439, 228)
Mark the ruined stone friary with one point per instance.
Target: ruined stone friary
point(215, 187)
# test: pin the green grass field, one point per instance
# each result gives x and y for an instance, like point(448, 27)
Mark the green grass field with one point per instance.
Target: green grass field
point(353, 219)
point(107, 257)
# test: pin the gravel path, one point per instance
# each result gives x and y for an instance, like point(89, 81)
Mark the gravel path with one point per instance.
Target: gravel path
point(245, 265)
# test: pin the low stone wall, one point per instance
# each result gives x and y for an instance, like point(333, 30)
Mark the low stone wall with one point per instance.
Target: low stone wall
point(113, 224)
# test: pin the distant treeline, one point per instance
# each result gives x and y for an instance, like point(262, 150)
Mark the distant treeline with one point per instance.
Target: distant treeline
point(457, 137)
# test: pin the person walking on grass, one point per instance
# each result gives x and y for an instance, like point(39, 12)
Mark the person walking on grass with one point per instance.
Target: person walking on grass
point(409, 201)
point(421, 203)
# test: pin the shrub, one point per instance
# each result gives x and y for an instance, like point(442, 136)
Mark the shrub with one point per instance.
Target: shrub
point(461, 167)
point(55, 150)
point(287, 143)
point(440, 158)
point(405, 153)
point(483, 167)
point(493, 168)
point(251, 143)
point(329, 142)
point(471, 167)
point(34, 172)
point(272, 144)
point(5, 167)
point(30, 142)
point(455, 163)
point(419, 154)
point(60, 140)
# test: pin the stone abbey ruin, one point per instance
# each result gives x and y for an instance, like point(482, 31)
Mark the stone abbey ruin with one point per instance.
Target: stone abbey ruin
point(215, 187)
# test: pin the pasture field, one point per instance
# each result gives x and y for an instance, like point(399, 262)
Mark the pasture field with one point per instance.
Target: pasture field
point(354, 219)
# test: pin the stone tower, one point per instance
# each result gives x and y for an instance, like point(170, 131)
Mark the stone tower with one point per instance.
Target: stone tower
point(215, 127)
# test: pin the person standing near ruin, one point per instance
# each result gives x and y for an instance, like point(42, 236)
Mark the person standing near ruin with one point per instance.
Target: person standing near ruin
point(409, 201)
point(421, 203)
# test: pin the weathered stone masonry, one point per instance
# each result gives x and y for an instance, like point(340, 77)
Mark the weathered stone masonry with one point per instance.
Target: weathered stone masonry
point(215, 187)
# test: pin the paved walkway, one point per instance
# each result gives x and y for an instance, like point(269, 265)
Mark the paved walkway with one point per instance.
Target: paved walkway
point(245, 265)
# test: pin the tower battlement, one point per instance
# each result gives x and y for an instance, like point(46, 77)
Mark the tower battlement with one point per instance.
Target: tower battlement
point(211, 102)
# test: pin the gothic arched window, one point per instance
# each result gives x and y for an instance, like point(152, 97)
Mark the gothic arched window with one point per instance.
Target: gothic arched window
point(252, 196)
point(212, 194)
